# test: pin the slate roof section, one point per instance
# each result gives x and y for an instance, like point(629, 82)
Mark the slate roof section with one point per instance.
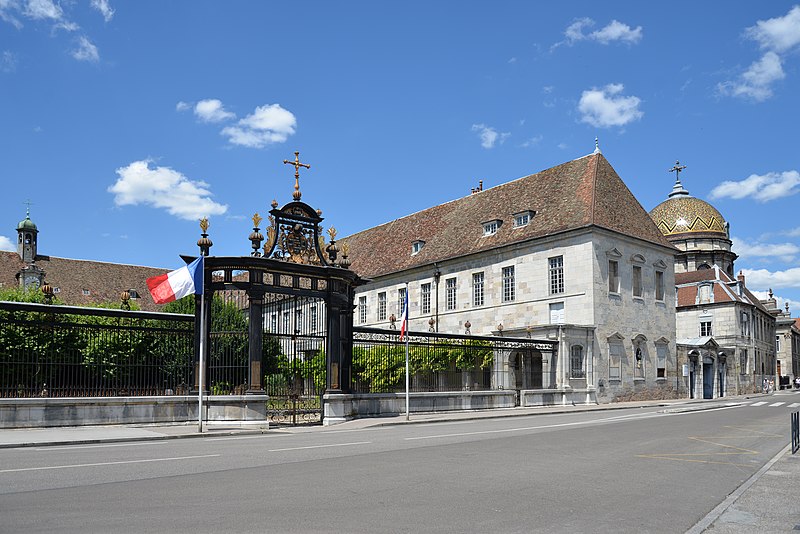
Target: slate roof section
point(104, 281)
point(724, 287)
point(586, 192)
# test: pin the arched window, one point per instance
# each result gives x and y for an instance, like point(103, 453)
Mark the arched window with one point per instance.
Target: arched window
point(576, 369)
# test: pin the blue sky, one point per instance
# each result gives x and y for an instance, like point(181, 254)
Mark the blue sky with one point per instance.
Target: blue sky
point(123, 123)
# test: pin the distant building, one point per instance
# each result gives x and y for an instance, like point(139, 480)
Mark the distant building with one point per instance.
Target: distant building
point(566, 254)
point(725, 334)
point(74, 282)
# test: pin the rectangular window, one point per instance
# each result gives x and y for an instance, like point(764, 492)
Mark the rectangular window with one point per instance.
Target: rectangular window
point(401, 302)
point(705, 328)
point(777, 344)
point(490, 228)
point(576, 362)
point(382, 306)
point(745, 324)
point(521, 219)
point(661, 360)
point(615, 351)
point(556, 272)
point(742, 361)
point(286, 323)
point(613, 276)
point(704, 294)
point(274, 323)
point(362, 309)
point(312, 318)
point(660, 286)
point(450, 293)
point(637, 281)
point(425, 290)
point(557, 313)
point(509, 289)
point(477, 289)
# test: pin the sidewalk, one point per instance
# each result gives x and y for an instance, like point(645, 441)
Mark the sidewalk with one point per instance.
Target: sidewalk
point(767, 502)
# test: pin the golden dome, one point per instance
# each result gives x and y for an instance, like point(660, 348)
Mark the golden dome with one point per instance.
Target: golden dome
point(685, 214)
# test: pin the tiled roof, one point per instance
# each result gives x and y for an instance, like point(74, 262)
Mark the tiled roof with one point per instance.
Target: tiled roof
point(103, 281)
point(578, 194)
point(724, 288)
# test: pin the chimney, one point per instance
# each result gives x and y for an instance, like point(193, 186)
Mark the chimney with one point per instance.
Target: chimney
point(479, 188)
point(740, 277)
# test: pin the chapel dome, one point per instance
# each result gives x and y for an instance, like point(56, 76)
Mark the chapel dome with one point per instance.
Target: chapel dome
point(682, 213)
point(26, 224)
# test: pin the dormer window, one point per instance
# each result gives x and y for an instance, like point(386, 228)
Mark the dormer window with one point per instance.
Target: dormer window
point(523, 218)
point(416, 246)
point(490, 227)
point(86, 292)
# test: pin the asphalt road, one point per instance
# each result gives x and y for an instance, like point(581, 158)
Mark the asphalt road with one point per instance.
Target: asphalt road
point(638, 470)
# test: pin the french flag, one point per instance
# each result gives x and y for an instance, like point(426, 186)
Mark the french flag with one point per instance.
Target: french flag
point(177, 284)
point(404, 325)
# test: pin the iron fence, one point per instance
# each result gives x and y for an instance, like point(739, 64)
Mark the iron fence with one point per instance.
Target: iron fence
point(66, 351)
point(795, 424)
point(442, 362)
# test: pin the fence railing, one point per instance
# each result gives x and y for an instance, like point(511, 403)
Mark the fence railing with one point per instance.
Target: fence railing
point(67, 351)
point(437, 362)
point(795, 423)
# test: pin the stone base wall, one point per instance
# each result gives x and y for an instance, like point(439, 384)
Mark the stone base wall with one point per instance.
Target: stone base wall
point(340, 408)
point(50, 412)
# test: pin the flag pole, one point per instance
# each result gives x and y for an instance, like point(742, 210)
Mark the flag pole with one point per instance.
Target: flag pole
point(405, 321)
point(201, 363)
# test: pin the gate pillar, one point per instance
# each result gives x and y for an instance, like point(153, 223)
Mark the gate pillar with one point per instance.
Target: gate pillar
point(255, 337)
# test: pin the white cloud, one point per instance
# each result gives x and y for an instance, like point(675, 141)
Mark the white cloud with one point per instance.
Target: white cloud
point(785, 251)
point(104, 8)
point(489, 136)
point(182, 106)
point(8, 61)
point(606, 107)
point(86, 51)
point(763, 188)
point(212, 110)
point(794, 232)
point(756, 82)
point(7, 244)
point(614, 31)
point(772, 279)
point(533, 141)
point(43, 10)
point(777, 37)
point(162, 187)
point(265, 126)
point(6, 6)
point(780, 34)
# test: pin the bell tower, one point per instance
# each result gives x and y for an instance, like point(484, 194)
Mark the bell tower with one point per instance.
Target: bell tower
point(27, 234)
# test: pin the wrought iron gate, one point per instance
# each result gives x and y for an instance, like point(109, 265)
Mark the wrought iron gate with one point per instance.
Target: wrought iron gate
point(294, 358)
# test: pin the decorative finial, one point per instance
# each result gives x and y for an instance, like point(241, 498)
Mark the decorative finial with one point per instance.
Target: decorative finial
point(257, 219)
point(332, 232)
point(678, 189)
point(296, 195)
point(204, 242)
point(28, 208)
point(597, 146)
point(204, 224)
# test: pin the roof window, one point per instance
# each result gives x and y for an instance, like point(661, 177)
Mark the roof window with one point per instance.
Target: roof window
point(490, 227)
point(416, 246)
point(523, 218)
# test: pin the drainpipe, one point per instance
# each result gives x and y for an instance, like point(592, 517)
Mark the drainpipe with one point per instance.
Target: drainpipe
point(436, 275)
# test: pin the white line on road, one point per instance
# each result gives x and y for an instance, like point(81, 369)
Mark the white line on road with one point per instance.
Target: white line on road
point(99, 464)
point(760, 403)
point(321, 446)
point(777, 404)
point(794, 405)
point(73, 447)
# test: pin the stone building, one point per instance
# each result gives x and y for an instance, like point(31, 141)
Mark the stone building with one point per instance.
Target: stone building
point(566, 254)
point(74, 282)
point(725, 334)
point(787, 343)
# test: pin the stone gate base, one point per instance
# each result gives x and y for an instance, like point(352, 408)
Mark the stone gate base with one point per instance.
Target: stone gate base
point(50, 412)
point(340, 408)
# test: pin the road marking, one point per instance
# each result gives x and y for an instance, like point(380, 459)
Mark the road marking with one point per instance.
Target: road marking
point(107, 445)
point(320, 446)
point(777, 404)
point(760, 403)
point(100, 464)
point(523, 429)
point(794, 405)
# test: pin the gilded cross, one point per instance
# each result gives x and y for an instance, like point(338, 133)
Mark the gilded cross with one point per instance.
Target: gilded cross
point(297, 166)
point(677, 168)
point(28, 203)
